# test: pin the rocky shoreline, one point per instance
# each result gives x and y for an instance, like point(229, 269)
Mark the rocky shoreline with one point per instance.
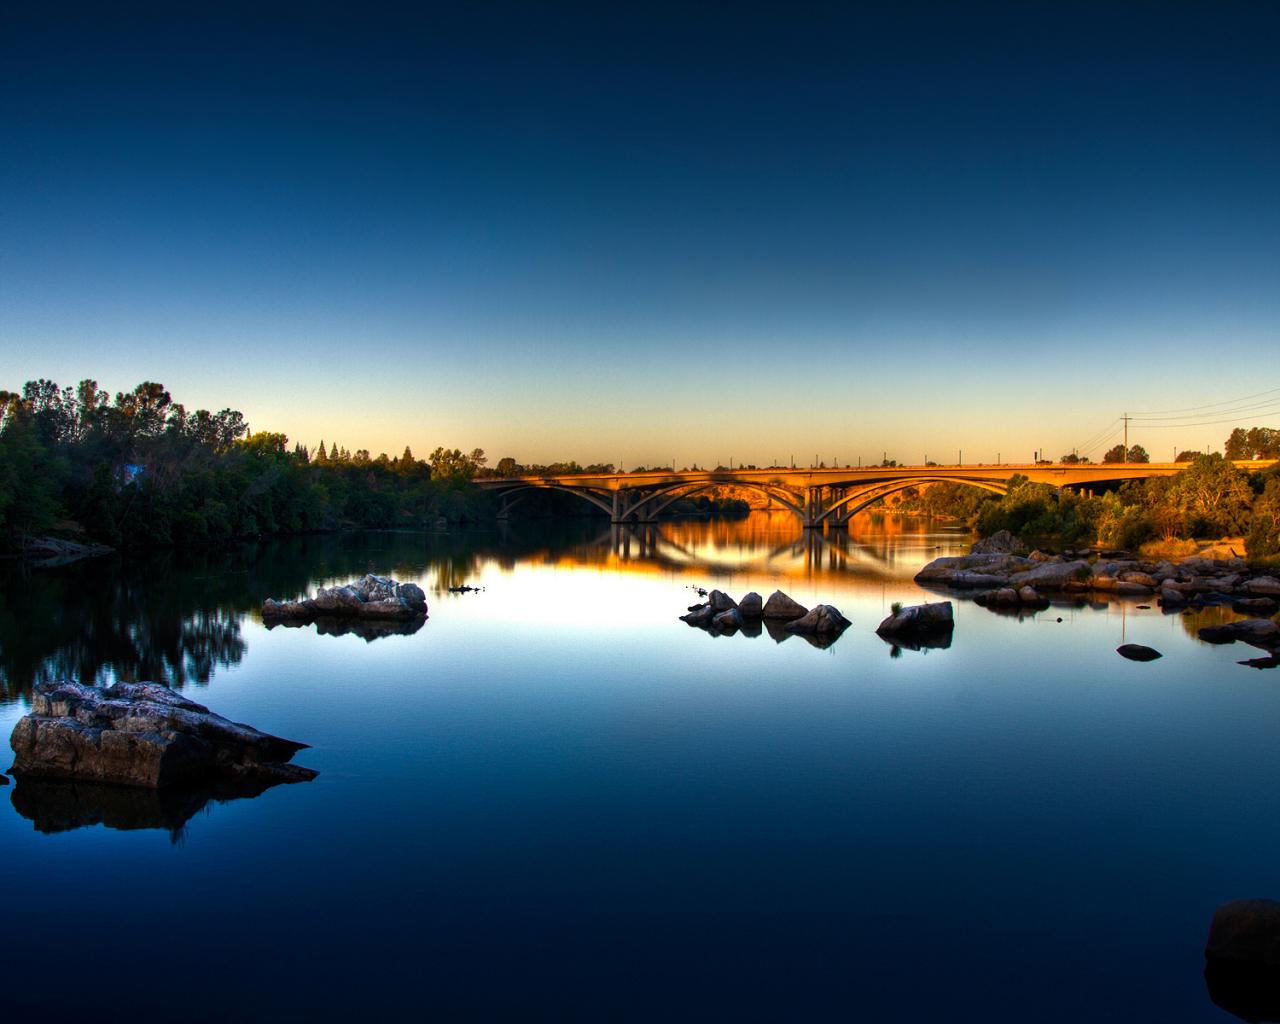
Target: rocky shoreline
point(1006, 579)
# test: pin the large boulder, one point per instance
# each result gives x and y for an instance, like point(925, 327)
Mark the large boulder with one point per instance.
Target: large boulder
point(1054, 576)
point(820, 620)
point(1264, 586)
point(373, 597)
point(780, 606)
point(1245, 930)
point(935, 617)
point(751, 605)
point(142, 734)
point(973, 571)
point(1242, 959)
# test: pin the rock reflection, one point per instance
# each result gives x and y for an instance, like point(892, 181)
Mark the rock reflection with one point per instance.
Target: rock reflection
point(367, 629)
point(60, 805)
point(1249, 991)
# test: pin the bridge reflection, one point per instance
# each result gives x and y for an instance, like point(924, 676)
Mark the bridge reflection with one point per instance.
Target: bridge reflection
point(768, 543)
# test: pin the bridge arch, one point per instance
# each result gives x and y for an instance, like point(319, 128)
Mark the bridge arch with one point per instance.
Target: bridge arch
point(581, 492)
point(856, 502)
point(671, 495)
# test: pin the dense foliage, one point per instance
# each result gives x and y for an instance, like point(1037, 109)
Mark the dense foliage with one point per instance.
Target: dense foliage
point(140, 470)
point(1210, 499)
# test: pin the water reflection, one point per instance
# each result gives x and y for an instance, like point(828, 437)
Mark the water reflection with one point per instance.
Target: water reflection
point(60, 805)
point(367, 629)
point(176, 617)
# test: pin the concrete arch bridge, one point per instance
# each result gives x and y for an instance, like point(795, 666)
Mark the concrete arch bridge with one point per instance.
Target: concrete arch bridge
point(818, 497)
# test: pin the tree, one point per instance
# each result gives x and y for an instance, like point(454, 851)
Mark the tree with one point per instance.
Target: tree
point(450, 464)
point(1263, 538)
point(1187, 456)
point(1254, 443)
point(1135, 454)
point(507, 466)
point(1212, 496)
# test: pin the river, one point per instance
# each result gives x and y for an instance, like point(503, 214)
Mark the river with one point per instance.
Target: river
point(554, 799)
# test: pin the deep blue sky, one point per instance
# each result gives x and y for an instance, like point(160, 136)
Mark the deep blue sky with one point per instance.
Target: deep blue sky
point(650, 232)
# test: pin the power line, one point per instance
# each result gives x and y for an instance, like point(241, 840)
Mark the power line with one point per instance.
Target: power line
point(1211, 405)
point(1242, 410)
point(1203, 423)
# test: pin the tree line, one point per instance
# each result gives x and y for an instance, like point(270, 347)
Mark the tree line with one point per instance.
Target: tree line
point(139, 469)
point(1210, 499)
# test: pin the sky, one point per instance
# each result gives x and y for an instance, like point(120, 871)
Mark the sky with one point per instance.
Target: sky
point(646, 233)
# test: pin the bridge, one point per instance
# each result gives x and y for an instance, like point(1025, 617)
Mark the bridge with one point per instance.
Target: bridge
point(818, 497)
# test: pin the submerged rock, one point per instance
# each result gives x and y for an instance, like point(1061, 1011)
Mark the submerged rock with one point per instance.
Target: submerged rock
point(821, 620)
point(780, 606)
point(142, 734)
point(935, 617)
point(1138, 652)
point(373, 597)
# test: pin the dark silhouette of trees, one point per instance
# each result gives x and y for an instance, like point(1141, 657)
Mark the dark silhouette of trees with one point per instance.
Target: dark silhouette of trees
point(140, 470)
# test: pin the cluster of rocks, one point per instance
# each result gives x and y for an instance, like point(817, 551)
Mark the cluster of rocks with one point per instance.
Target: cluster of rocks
point(373, 597)
point(1261, 633)
point(720, 613)
point(142, 734)
point(1006, 579)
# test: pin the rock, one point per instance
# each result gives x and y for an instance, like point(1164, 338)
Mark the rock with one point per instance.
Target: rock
point(1029, 595)
point(919, 618)
point(1171, 598)
point(751, 605)
point(1271, 661)
point(373, 597)
point(821, 620)
point(1137, 652)
point(1262, 633)
point(1246, 930)
point(1001, 542)
point(1142, 578)
point(728, 619)
point(1040, 556)
point(1255, 605)
point(1005, 597)
point(4, 780)
point(1265, 586)
point(973, 570)
point(1054, 575)
point(699, 616)
point(780, 606)
point(142, 734)
point(720, 601)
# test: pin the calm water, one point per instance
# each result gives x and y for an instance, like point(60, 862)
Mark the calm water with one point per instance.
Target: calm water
point(556, 800)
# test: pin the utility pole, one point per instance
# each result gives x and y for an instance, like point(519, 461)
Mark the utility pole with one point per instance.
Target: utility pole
point(1126, 417)
point(960, 457)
